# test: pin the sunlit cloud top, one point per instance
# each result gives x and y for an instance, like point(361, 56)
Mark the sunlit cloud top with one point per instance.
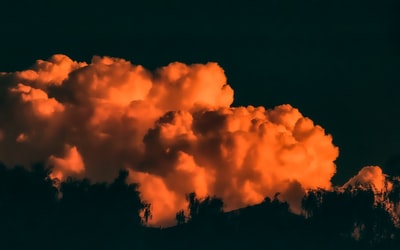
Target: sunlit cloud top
point(173, 128)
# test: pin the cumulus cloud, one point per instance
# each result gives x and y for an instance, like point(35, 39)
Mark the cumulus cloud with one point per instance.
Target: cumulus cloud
point(51, 72)
point(173, 128)
point(71, 163)
point(383, 187)
point(369, 176)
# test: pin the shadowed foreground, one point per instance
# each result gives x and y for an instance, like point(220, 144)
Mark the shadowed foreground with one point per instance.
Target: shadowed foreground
point(37, 212)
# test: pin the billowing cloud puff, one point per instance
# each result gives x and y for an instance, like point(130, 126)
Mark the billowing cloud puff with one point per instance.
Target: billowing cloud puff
point(51, 72)
point(174, 129)
point(38, 100)
point(70, 163)
point(373, 177)
point(370, 176)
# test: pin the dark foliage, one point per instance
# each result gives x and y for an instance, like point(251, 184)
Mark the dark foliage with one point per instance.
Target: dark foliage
point(208, 209)
point(356, 215)
point(37, 212)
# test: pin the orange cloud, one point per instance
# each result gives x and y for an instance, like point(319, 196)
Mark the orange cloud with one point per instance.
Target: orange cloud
point(370, 176)
point(38, 99)
point(70, 164)
point(174, 128)
point(51, 72)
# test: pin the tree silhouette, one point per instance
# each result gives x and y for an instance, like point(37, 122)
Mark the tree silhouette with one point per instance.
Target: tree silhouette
point(204, 208)
point(311, 202)
point(394, 194)
point(36, 209)
point(147, 214)
point(193, 205)
point(39, 212)
point(180, 217)
point(355, 209)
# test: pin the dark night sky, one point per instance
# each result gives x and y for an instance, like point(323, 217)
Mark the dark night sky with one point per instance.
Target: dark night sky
point(337, 61)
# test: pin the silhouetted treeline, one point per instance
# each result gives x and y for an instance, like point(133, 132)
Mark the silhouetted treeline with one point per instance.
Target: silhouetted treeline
point(40, 213)
point(37, 212)
point(348, 218)
point(354, 215)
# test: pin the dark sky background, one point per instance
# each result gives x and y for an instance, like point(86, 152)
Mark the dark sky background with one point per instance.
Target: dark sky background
point(337, 61)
